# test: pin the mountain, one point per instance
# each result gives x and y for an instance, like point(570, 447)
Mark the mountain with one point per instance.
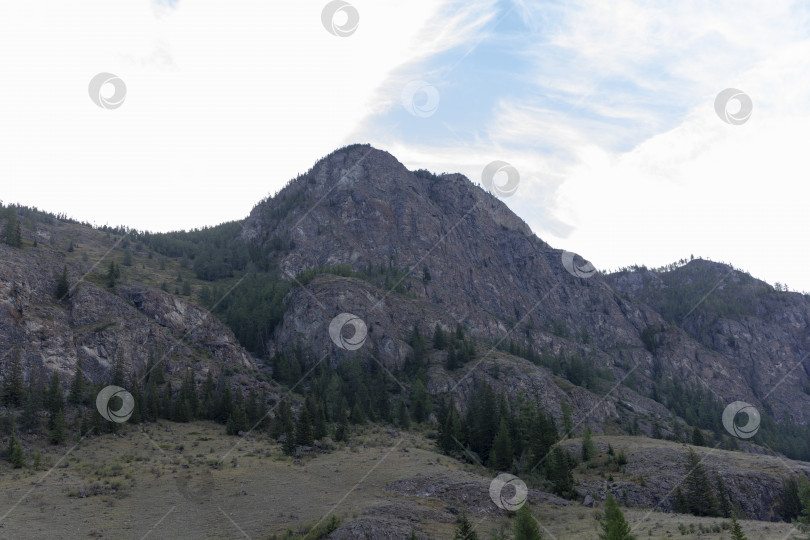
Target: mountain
point(464, 321)
point(361, 208)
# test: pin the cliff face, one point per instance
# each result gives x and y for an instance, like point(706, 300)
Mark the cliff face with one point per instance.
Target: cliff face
point(463, 257)
point(761, 336)
point(424, 250)
point(97, 324)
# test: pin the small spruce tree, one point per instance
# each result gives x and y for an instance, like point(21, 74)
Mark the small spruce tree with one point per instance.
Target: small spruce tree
point(15, 452)
point(614, 526)
point(589, 449)
point(697, 437)
point(58, 431)
point(526, 527)
point(736, 530)
point(464, 529)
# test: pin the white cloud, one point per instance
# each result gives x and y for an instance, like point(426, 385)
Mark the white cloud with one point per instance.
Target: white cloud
point(226, 101)
point(620, 124)
point(611, 125)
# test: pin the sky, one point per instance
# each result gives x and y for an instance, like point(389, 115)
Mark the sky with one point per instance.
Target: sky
point(607, 110)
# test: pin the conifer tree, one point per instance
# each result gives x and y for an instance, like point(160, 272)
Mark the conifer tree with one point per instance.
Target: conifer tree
point(403, 418)
point(62, 286)
point(560, 472)
point(54, 400)
point(209, 401)
point(282, 421)
point(681, 504)
point(76, 393)
point(288, 446)
point(237, 421)
point(138, 399)
point(188, 397)
point(589, 449)
point(58, 430)
point(723, 506)
point(568, 423)
point(225, 404)
point(356, 416)
point(614, 526)
point(166, 408)
point(804, 497)
point(29, 420)
point(118, 373)
point(500, 457)
point(152, 401)
point(318, 418)
point(449, 431)
point(736, 531)
point(252, 408)
point(303, 429)
point(542, 436)
point(15, 452)
point(699, 494)
point(13, 389)
point(464, 529)
point(12, 233)
point(526, 527)
point(790, 505)
point(439, 339)
point(697, 437)
point(113, 273)
point(452, 362)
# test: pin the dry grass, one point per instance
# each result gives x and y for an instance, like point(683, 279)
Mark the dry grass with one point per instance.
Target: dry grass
point(125, 487)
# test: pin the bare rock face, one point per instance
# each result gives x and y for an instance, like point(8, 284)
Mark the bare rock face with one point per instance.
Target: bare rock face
point(395, 521)
point(464, 257)
point(473, 496)
point(755, 341)
point(98, 325)
point(755, 481)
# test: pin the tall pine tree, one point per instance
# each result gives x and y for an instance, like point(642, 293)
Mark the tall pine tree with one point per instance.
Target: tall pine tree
point(13, 390)
point(699, 493)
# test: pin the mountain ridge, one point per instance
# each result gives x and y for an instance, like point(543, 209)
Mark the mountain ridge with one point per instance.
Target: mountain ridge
point(461, 304)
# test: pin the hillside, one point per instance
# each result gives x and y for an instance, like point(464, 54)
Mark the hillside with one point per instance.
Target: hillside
point(471, 338)
point(171, 481)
